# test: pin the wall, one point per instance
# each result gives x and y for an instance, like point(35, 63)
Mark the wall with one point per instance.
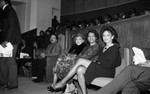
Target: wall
point(76, 6)
point(44, 13)
point(35, 13)
point(21, 7)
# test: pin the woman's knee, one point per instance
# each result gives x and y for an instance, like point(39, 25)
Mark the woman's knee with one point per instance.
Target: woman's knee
point(83, 62)
point(81, 70)
point(79, 60)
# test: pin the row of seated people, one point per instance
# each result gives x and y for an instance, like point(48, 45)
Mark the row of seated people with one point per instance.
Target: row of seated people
point(107, 18)
point(80, 43)
point(67, 62)
point(87, 68)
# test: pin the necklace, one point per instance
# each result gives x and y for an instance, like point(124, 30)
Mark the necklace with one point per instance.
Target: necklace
point(106, 47)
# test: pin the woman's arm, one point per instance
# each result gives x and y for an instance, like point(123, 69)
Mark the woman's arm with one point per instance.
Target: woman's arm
point(90, 53)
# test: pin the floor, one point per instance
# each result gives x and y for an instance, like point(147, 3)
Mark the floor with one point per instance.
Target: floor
point(26, 86)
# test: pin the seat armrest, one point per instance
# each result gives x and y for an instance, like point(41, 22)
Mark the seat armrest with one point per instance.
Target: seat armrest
point(101, 81)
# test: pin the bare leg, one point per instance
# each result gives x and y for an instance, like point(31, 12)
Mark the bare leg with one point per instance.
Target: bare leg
point(81, 79)
point(55, 78)
point(83, 62)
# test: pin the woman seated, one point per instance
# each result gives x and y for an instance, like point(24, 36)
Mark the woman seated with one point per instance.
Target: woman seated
point(67, 59)
point(109, 58)
point(64, 65)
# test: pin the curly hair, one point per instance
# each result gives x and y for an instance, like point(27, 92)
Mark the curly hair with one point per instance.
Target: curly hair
point(95, 33)
point(77, 35)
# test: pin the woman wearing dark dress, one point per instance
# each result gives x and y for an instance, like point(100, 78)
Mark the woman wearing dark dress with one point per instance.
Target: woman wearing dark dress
point(109, 58)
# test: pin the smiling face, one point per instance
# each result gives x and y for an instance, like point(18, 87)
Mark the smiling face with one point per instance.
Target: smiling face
point(91, 38)
point(107, 37)
point(53, 39)
point(79, 40)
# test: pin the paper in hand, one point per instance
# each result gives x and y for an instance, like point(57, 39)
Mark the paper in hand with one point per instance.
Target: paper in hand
point(6, 51)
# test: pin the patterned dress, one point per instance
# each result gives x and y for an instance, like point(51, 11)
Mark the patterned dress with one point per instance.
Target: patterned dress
point(67, 61)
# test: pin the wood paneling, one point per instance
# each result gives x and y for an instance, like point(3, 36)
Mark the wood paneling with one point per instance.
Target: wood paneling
point(76, 6)
point(112, 2)
point(67, 6)
point(123, 1)
point(79, 5)
point(95, 4)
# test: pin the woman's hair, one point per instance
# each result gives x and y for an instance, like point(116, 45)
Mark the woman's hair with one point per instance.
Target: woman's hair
point(95, 33)
point(77, 35)
point(112, 31)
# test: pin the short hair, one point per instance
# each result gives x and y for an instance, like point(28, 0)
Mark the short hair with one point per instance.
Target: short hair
point(77, 35)
point(95, 33)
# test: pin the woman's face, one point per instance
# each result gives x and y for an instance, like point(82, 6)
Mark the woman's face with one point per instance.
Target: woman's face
point(79, 40)
point(107, 37)
point(91, 37)
point(53, 39)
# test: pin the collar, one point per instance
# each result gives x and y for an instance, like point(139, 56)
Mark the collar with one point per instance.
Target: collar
point(5, 6)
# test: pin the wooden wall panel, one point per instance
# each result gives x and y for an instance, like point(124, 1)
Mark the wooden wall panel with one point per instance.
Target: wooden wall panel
point(79, 5)
point(75, 6)
point(94, 4)
point(67, 6)
point(112, 2)
point(123, 1)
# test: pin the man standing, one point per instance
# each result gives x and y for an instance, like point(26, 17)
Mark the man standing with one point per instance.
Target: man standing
point(11, 33)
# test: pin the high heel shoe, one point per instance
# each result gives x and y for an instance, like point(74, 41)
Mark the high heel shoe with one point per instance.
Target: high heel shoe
point(52, 89)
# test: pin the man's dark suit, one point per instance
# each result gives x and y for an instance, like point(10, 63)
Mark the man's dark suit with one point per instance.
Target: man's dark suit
point(131, 80)
point(11, 33)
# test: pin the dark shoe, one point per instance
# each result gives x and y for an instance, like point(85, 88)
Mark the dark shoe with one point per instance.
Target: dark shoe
point(37, 80)
point(49, 87)
point(12, 87)
point(52, 89)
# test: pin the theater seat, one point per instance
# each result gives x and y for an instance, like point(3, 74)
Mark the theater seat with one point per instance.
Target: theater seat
point(102, 81)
